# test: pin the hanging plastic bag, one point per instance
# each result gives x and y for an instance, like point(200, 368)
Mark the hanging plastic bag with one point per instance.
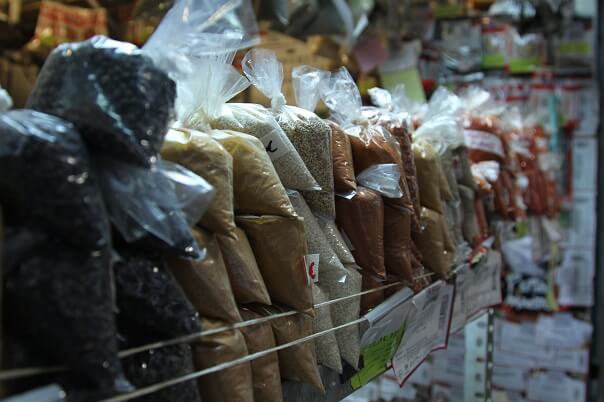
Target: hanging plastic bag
point(155, 207)
point(371, 144)
point(119, 100)
point(47, 179)
point(309, 134)
point(6, 102)
point(205, 157)
point(206, 90)
point(344, 180)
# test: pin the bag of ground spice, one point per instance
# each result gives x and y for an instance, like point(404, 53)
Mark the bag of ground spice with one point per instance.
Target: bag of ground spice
point(370, 300)
point(397, 244)
point(244, 274)
point(428, 175)
point(204, 156)
point(206, 282)
point(309, 134)
point(361, 220)
point(334, 280)
point(279, 245)
point(469, 226)
point(335, 239)
point(233, 384)
point(394, 115)
point(297, 362)
point(434, 244)
point(265, 370)
point(343, 165)
point(256, 186)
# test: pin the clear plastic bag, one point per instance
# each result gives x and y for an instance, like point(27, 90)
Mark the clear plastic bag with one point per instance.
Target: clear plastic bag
point(205, 157)
point(119, 100)
point(335, 239)
point(6, 102)
point(309, 134)
point(155, 207)
point(47, 179)
point(212, 83)
point(383, 178)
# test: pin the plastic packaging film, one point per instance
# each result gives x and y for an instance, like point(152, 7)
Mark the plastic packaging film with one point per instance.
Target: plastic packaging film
point(428, 175)
point(298, 362)
point(279, 245)
point(63, 181)
point(326, 346)
point(361, 219)
point(343, 167)
point(434, 243)
point(204, 156)
point(257, 188)
point(138, 98)
point(309, 134)
point(334, 281)
point(232, 384)
point(206, 282)
point(244, 274)
point(265, 370)
point(335, 239)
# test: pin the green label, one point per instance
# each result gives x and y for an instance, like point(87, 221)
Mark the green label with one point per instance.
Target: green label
point(377, 358)
point(410, 78)
point(575, 47)
point(524, 65)
point(493, 60)
point(449, 10)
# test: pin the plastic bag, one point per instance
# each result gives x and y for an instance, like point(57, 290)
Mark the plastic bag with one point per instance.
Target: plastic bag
point(121, 103)
point(152, 306)
point(232, 384)
point(205, 157)
point(469, 223)
point(47, 179)
point(155, 207)
point(265, 370)
point(361, 219)
point(343, 165)
point(434, 243)
point(370, 300)
point(309, 134)
point(206, 90)
point(326, 346)
point(206, 282)
point(428, 175)
point(163, 364)
point(257, 188)
point(61, 308)
point(279, 246)
point(397, 244)
point(336, 241)
point(334, 280)
point(298, 362)
point(383, 178)
point(244, 274)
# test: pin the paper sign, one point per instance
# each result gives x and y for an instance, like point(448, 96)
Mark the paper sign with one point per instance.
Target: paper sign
point(483, 284)
point(377, 357)
point(427, 328)
point(509, 378)
point(483, 141)
point(575, 279)
point(553, 386)
point(311, 262)
point(563, 331)
point(422, 376)
point(584, 164)
point(583, 221)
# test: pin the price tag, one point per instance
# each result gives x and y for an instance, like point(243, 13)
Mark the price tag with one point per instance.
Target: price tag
point(484, 141)
point(311, 262)
point(554, 386)
point(427, 328)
